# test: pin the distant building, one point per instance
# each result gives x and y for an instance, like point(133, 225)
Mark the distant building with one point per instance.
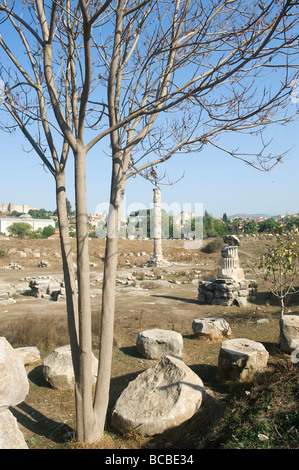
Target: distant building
point(94, 219)
point(5, 222)
point(11, 206)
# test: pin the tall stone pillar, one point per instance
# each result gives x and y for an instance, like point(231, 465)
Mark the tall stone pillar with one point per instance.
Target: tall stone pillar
point(158, 254)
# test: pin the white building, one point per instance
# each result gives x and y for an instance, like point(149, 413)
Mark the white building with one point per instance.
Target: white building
point(5, 222)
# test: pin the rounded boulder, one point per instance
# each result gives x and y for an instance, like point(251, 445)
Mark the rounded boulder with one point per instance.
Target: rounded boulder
point(14, 385)
point(162, 397)
point(157, 343)
point(58, 368)
point(211, 328)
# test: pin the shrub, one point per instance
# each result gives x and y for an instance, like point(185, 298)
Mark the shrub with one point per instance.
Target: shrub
point(48, 231)
point(20, 229)
point(213, 246)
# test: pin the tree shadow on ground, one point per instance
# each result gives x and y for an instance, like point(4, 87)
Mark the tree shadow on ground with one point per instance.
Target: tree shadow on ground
point(268, 298)
point(36, 422)
point(181, 299)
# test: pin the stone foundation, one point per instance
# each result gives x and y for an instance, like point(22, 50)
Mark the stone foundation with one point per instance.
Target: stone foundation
point(230, 286)
point(226, 292)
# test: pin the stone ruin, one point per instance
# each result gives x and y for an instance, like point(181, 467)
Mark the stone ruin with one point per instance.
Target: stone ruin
point(157, 259)
point(46, 287)
point(230, 286)
point(241, 359)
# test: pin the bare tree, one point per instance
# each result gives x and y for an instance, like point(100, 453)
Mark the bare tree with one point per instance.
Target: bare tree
point(155, 78)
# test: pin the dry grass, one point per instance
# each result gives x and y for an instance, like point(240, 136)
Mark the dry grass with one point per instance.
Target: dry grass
point(44, 333)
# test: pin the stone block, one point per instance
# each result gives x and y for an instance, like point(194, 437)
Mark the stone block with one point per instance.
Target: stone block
point(226, 292)
point(201, 298)
point(289, 333)
point(243, 293)
point(241, 358)
point(157, 343)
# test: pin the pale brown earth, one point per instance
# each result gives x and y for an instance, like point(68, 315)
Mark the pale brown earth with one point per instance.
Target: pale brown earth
point(148, 302)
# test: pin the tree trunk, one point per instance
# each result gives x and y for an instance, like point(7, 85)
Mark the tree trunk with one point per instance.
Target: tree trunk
point(281, 308)
point(108, 302)
point(68, 268)
point(85, 420)
point(71, 300)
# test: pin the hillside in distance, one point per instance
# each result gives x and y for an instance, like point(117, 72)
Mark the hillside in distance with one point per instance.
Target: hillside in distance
point(250, 216)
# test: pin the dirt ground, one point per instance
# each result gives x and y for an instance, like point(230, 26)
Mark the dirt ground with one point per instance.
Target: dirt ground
point(145, 298)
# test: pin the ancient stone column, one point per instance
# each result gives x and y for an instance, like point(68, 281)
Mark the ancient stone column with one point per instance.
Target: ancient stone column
point(158, 254)
point(229, 263)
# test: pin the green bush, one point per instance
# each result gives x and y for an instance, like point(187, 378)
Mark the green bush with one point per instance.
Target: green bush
point(213, 246)
point(20, 229)
point(48, 231)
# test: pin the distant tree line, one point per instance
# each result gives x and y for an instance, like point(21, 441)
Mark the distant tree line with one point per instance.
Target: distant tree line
point(271, 225)
point(213, 227)
point(139, 224)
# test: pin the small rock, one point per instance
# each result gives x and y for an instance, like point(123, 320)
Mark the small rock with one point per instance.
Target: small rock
point(211, 328)
point(240, 301)
point(262, 437)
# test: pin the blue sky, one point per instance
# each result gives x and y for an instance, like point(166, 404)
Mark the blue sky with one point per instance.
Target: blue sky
point(219, 182)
